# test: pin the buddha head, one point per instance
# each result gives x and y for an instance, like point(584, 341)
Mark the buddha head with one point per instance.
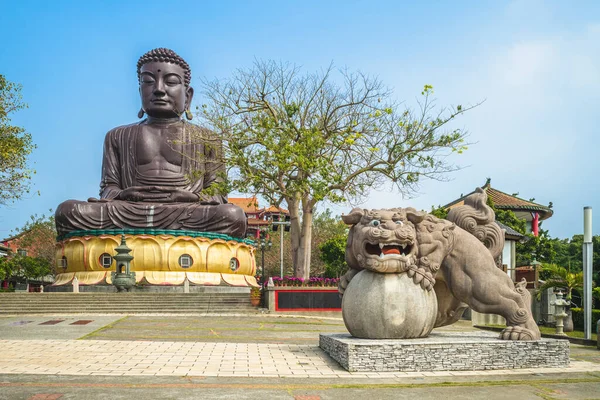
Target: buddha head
point(164, 79)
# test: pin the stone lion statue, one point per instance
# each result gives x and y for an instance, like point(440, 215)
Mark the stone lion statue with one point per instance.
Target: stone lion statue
point(455, 258)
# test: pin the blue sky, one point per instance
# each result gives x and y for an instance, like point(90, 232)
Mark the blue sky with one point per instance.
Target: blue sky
point(535, 63)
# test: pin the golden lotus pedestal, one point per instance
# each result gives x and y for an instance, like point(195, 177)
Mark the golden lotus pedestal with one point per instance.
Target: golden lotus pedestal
point(161, 259)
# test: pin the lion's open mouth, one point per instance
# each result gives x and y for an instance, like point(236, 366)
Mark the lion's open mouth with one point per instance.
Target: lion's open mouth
point(382, 250)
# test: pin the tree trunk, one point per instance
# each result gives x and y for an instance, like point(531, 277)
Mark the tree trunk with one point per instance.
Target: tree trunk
point(304, 250)
point(295, 230)
point(301, 235)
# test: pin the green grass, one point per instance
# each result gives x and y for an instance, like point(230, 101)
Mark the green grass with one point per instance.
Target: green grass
point(575, 334)
point(93, 333)
point(548, 330)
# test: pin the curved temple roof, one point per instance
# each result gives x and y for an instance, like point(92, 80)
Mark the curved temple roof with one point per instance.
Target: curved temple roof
point(505, 201)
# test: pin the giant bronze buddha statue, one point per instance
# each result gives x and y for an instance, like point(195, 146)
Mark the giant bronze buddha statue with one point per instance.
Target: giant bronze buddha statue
point(160, 188)
point(155, 172)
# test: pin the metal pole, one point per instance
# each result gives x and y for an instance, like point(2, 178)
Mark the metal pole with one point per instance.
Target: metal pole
point(588, 252)
point(262, 248)
point(282, 225)
point(281, 250)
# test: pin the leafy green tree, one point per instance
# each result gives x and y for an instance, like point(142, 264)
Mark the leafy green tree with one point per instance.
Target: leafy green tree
point(570, 252)
point(596, 296)
point(32, 267)
point(333, 254)
point(325, 227)
point(38, 237)
point(24, 267)
point(439, 212)
point(542, 247)
point(307, 138)
point(560, 277)
point(6, 268)
point(15, 146)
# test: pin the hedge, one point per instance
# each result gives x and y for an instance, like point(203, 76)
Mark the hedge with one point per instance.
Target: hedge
point(578, 319)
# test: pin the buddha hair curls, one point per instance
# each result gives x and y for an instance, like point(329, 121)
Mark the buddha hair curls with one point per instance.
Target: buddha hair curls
point(165, 55)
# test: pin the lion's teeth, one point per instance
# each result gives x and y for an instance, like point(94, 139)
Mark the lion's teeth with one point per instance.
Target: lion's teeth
point(403, 245)
point(381, 245)
point(381, 256)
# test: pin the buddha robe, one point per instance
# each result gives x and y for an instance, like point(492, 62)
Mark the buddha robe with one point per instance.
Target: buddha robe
point(200, 167)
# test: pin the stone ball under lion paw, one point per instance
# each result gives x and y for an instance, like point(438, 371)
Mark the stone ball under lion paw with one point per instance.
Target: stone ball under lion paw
point(388, 306)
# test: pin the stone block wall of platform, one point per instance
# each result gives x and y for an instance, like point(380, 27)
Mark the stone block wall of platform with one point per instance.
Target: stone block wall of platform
point(444, 351)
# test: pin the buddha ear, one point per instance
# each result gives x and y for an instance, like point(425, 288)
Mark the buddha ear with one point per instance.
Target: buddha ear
point(141, 112)
point(189, 95)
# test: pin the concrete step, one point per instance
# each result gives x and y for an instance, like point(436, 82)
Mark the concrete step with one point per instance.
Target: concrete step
point(130, 303)
point(131, 307)
point(92, 312)
point(112, 303)
point(107, 309)
point(149, 303)
point(102, 295)
point(126, 305)
point(139, 295)
point(131, 311)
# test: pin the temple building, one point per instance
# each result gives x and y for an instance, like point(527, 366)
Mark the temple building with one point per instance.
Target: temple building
point(4, 250)
point(531, 212)
point(257, 217)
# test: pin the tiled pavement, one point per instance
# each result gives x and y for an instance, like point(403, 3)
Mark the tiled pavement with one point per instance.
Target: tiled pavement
point(142, 358)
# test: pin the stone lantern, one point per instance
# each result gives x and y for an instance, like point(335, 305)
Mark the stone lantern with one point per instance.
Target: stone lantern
point(123, 279)
point(559, 312)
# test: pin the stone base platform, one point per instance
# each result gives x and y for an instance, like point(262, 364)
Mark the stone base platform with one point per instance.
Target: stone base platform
point(443, 351)
point(168, 260)
point(149, 289)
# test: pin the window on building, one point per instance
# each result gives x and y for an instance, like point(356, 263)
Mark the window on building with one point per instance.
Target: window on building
point(106, 260)
point(185, 261)
point(234, 264)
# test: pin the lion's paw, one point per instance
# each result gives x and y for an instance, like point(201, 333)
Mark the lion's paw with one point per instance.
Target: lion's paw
point(517, 333)
point(345, 280)
point(421, 277)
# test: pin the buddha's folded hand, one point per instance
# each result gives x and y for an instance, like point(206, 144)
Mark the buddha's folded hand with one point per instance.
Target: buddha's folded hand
point(182, 196)
point(144, 193)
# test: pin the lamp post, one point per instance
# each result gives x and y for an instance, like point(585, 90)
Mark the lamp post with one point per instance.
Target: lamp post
point(560, 305)
point(284, 221)
point(588, 253)
point(536, 271)
point(264, 245)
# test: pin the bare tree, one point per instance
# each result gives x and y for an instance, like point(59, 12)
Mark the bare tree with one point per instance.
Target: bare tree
point(304, 138)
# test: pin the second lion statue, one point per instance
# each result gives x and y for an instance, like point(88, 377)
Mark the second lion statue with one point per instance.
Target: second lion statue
point(455, 257)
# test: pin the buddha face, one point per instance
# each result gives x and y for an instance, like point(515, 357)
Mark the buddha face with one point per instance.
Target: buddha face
point(163, 90)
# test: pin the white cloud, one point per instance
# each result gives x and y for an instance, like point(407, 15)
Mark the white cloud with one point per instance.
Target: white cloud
point(526, 64)
point(537, 132)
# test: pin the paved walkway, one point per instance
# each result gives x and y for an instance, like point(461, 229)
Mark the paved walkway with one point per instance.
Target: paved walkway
point(102, 357)
point(522, 387)
point(238, 357)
